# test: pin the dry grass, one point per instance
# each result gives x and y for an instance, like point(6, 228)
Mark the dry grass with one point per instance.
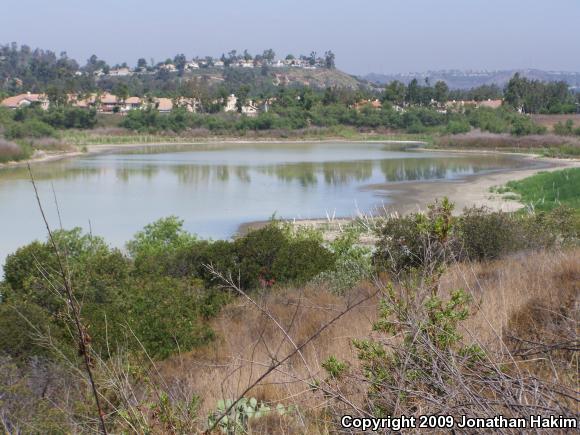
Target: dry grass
point(9, 151)
point(249, 342)
point(533, 296)
point(485, 140)
point(503, 288)
point(549, 121)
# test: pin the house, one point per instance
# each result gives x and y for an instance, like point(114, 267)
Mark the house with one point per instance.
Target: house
point(163, 105)
point(191, 65)
point(219, 64)
point(169, 67)
point(375, 104)
point(231, 104)
point(107, 102)
point(492, 104)
point(80, 102)
point(120, 72)
point(190, 104)
point(242, 63)
point(24, 100)
point(132, 103)
point(250, 109)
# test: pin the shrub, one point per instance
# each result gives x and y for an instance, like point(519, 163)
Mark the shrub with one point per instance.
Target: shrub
point(271, 255)
point(457, 127)
point(156, 248)
point(11, 151)
point(486, 235)
point(523, 126)
point(416, 241)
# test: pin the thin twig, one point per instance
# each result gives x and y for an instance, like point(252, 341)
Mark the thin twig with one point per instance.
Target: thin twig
point(82, 336)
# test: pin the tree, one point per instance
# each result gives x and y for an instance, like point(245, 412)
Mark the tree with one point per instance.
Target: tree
point(329, 58)
point(395, 93)
point(121, 90)
point(269, 55)
point(441, 92)
point(312, 58)
point(514, 92)
point(413, 92)
point(56, 96)
point(242, 96)
point(141, 64)
point(179, 61)
point(247, 56)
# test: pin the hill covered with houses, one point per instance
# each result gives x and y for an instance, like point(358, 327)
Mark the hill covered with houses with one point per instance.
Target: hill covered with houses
point(23, 69)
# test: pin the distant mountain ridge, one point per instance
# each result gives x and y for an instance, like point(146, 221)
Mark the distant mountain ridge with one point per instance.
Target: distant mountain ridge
point(456, 79)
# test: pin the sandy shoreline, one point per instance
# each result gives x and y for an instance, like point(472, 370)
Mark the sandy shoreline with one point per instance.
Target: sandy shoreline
point(471, 191)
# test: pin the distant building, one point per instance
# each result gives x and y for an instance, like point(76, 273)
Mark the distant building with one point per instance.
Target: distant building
point(231, 102)
point(169, 67)
point(190, 104)
point(492, 104)
point(120, 72)
point(245, 63)
point(250, 109)
point(163, 105)
point(375, 104)
point(107, 102)
point(24, 100)
point(462, 104)
point(132, 103)
point(191, 65)
point(218, 64)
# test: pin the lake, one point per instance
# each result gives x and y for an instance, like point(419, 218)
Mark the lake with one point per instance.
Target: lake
point(214, 188)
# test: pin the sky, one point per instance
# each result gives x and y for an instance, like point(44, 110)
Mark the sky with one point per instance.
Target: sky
point(382, 36)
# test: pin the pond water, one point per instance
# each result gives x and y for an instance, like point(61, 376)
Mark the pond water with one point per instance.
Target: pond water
point(215, 188)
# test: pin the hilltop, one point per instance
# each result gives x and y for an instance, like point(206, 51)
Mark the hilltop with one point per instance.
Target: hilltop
point(318, 78)
point(23, 69)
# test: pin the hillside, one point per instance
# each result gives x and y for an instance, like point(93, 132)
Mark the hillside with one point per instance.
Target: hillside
point(470, 79)
point(319, 78)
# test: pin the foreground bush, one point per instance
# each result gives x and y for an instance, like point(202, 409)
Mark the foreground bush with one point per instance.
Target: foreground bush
point(407, 243)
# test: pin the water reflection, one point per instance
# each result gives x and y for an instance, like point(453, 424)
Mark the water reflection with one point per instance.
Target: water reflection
point(218, 187)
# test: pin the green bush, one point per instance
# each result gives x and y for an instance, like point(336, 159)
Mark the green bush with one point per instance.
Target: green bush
point(457, 127)
point(416, 241)
point(522, 126)
point(487, 235)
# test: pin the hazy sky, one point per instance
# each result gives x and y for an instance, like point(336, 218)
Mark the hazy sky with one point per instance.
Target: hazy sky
point(366, 35)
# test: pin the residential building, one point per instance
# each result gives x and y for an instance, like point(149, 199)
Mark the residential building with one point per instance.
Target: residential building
point(120, 72)
point(132, 103)
point(163, 105)
point(24, 100)
point(107, 102)
point(231, 102)
point(375, 104)
point(250, 109)
point(492, 104)
point(169, 67)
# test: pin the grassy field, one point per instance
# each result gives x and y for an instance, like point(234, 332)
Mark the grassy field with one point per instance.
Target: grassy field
point(547, 190)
